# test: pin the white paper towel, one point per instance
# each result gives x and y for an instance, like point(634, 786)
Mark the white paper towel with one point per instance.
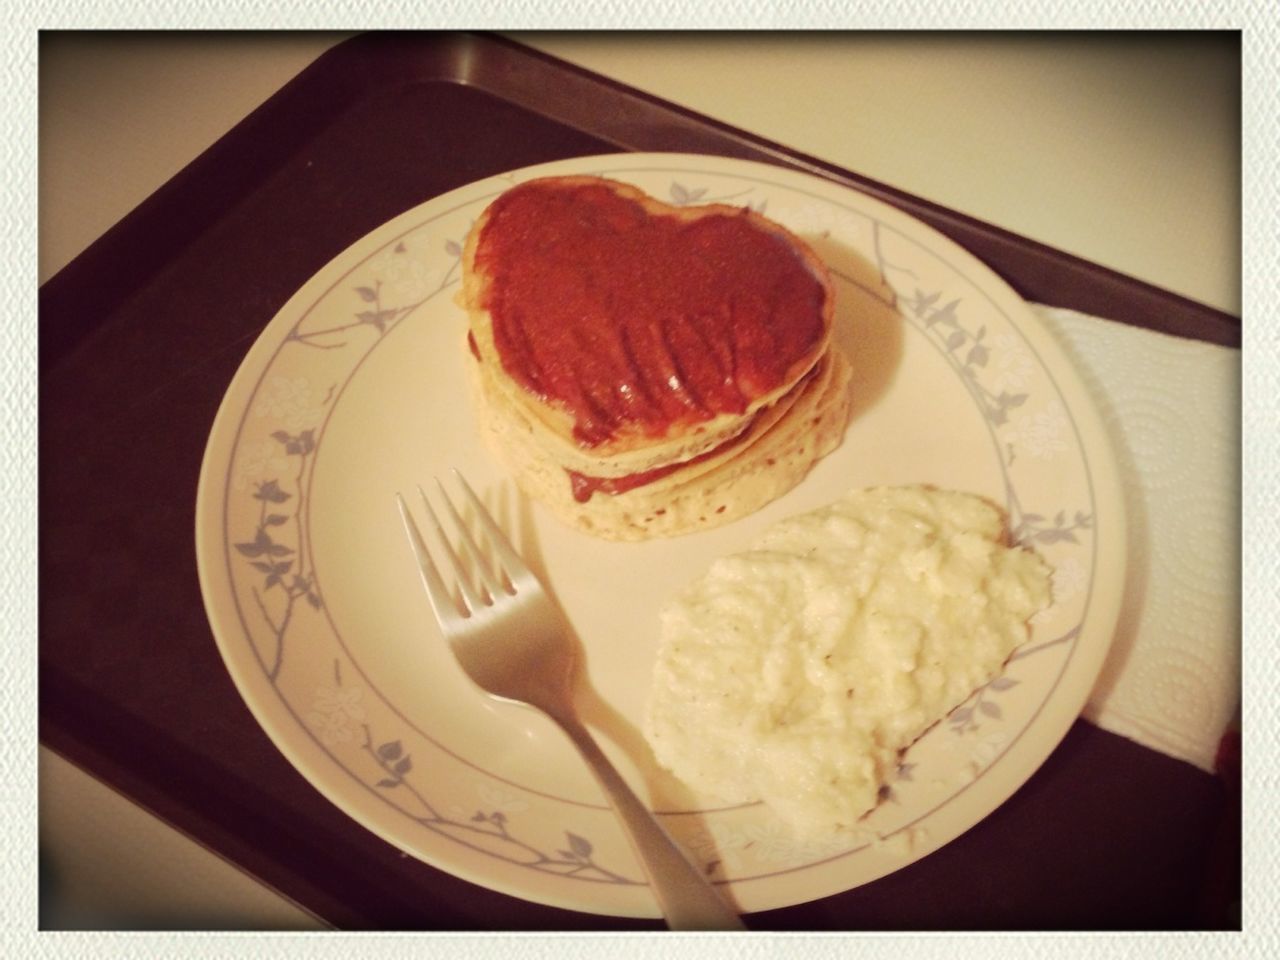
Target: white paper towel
point(1172, 408)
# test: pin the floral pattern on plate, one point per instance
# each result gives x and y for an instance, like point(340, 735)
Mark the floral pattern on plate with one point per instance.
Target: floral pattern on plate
point(326, 682)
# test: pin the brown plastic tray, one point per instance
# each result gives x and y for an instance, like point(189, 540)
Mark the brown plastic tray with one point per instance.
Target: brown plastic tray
point(139, 338)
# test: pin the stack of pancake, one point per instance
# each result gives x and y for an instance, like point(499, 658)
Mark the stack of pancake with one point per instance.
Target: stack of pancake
point(648, 370)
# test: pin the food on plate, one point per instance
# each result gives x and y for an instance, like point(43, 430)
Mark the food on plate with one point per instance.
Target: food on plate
point(646, 369)
point(798, 671)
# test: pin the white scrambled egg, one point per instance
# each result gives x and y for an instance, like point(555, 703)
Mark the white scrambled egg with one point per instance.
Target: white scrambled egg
point(797, 672)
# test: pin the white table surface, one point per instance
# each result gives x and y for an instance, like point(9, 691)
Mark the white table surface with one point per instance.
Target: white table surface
point(1122, 149)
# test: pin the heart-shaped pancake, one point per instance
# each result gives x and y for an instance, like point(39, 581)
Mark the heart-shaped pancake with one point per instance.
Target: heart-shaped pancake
point(630, 345)
point(638, 320)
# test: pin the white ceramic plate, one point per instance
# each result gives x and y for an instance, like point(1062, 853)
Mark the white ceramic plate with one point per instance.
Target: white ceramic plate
point(356, 390)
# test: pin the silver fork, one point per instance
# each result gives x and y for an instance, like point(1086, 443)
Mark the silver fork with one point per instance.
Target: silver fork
point(512, 640)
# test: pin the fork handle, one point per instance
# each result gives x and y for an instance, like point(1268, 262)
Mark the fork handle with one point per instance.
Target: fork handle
point(687, 898)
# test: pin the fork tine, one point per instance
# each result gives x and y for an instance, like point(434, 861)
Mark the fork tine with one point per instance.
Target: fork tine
point(470, 595)
point(471, 548)
point(511, 561)
point(445, 609)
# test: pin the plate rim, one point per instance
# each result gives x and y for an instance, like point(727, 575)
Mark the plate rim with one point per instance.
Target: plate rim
point(1102, 471)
